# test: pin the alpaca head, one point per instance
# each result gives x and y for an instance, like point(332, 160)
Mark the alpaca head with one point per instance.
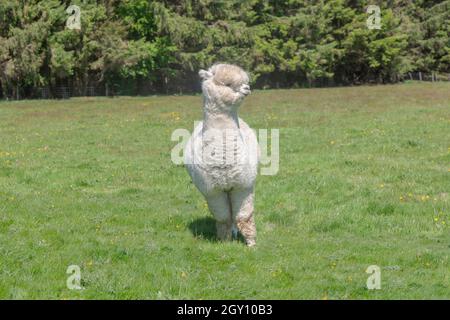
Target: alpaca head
point(224, 86)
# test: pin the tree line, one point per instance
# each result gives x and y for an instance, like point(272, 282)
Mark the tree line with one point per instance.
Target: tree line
point(142, 46)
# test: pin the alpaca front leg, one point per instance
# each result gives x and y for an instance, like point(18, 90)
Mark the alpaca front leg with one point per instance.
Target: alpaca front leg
point(247, 228)
point(242, 206)
point(224, 230)
point(219, 205)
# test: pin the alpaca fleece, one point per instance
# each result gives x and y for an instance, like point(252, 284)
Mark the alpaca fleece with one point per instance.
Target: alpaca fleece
point(222, 154)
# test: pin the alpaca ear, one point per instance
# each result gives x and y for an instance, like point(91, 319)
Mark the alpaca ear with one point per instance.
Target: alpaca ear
point(204, 75)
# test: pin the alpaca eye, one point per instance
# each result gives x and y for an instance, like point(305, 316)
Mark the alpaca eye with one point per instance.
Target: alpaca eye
point(231, 86)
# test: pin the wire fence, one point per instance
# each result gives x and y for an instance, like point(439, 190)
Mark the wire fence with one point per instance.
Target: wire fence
point(421, 76)
point(67, 92)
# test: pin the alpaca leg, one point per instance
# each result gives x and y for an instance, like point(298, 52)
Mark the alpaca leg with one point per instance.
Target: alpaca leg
point(242, 205)
point(219, 206)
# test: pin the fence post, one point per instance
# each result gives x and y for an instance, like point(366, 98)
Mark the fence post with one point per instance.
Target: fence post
point(420, 76)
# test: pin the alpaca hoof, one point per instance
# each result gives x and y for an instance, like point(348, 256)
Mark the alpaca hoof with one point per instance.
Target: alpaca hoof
point(234, 232)
point(251, 243)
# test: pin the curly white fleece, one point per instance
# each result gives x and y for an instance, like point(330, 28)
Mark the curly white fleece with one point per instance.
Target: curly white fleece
point(222, 154)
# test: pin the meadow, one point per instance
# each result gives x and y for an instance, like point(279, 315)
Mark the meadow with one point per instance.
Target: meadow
point(364, 179)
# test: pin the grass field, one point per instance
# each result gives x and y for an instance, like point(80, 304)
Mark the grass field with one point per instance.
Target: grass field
point(364, 180)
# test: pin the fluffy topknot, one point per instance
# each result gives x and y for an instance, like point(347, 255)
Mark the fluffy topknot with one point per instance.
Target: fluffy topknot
point(228, 75)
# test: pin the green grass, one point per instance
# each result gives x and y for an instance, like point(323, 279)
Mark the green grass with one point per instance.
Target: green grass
point(364, 180)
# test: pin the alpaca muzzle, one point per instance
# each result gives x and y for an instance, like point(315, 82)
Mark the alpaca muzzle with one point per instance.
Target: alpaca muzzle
point(245, 89)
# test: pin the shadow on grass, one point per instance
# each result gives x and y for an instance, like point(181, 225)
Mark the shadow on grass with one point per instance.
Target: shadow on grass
point(205, 228)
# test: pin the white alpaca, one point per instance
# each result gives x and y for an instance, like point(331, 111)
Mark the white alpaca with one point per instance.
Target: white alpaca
point(222, 154)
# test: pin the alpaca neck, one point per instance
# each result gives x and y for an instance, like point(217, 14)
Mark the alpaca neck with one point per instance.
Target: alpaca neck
point(218, 119)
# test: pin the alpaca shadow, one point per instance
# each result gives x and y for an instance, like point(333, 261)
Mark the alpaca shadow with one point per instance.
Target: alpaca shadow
point(205, 228)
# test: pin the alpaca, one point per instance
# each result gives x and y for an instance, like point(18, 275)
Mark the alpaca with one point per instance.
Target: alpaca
point(222, 154)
